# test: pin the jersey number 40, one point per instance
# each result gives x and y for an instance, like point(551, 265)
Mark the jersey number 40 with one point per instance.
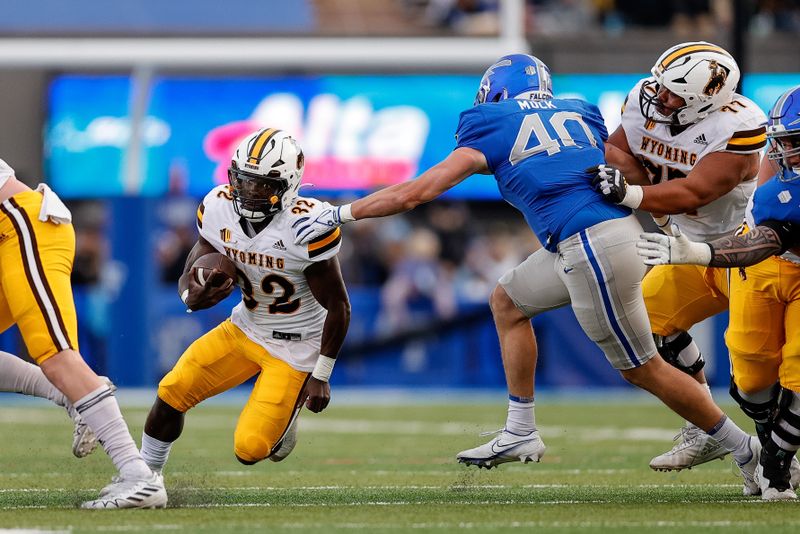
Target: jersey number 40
point(533, 125)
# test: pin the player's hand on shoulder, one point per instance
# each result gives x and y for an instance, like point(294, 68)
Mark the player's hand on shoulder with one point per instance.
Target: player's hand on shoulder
point(318, 222)
point(215, 287)
point(610, 182)
point(317, 394)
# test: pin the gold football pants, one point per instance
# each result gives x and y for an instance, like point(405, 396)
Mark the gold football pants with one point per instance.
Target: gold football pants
point(679, 296)
point(224, 358)
point(763, 335)
point(35, 267)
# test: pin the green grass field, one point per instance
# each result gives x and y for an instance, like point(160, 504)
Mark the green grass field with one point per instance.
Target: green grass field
point(390, 468)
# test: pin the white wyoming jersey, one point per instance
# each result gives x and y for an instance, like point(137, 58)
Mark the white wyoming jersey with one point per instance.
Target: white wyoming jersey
point(738, 127)
point(278, 310)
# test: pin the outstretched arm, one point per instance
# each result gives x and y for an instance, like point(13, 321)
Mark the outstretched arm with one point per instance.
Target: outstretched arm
point(763, 241)
point(714, 175)
point(460, 164)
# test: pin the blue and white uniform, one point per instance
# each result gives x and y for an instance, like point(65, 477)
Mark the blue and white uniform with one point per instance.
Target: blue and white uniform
point(539, 151)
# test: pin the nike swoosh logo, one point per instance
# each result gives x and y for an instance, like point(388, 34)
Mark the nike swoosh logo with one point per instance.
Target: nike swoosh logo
point(501, 447)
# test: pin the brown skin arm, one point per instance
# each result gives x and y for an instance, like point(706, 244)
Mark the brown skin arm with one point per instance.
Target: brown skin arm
point(619, 155)
point(326, 284)
point(455, 168)
point(713, 176)
point(208, 295)
point(744, 250)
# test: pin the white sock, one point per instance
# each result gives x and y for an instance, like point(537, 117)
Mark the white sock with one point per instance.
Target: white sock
point(155, 452)
point(733, 439)
point(100, 411)
point(521, 418)
point(19, 376)
point(708, 389)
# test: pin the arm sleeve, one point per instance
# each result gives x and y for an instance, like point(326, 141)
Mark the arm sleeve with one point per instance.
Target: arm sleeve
point(593, 113)
point(747, 141)
point(788, 232)
point(325, 246)
point(474, 132)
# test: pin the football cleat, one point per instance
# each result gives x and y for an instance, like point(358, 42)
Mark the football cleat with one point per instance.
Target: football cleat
point(287, 444)
point(794, 472)
point(774, 486)
point(694, 448)
point(122, 493)
point(506, 447)
point(748, 469)
point(84, 442)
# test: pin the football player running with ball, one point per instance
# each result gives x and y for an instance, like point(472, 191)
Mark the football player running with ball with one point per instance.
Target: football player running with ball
point(695, 144)
point(291, 321)
point(764, 332)
point(538, 148)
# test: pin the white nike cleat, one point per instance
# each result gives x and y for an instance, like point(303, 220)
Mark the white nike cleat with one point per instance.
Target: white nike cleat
point(144, 493)
point(794, 472)
point(748, 469)
point(287, 445)
point(694, 448)
point(506, 447)
point(84, 442)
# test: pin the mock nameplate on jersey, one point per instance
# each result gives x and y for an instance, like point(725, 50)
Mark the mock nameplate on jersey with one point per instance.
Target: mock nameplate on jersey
point(539, 151)
point(670, 154)
point(278, 310)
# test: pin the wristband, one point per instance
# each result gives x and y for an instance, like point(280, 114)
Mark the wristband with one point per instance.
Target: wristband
point(710, 254)
point(346, 213)
point(664, 223)
point(633, 196)
point(322, 371)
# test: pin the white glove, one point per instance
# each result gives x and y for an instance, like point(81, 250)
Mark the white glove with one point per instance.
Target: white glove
point(307, 229)
point(659, 249)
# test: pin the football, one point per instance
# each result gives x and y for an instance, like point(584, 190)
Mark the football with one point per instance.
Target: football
point(205, 264)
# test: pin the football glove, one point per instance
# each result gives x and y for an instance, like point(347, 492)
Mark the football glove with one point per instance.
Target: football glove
point(660, 249)
point(307, 229)
point(611, 183)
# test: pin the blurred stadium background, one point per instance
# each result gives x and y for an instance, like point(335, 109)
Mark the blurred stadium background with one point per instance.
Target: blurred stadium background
point(130, 113)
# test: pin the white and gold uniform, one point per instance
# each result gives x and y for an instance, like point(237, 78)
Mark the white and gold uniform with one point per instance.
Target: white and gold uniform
point(275, 330)
point(679, 296)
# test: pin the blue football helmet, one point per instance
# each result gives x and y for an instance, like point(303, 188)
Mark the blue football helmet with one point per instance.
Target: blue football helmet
point(515, 75)
point(783, 132)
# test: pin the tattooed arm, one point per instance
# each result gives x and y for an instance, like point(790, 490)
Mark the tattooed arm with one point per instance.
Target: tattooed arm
point(767, 239)
point(746, 249)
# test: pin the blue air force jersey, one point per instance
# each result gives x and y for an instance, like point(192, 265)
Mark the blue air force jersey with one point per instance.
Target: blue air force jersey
point(539, 151)
point(777, 203)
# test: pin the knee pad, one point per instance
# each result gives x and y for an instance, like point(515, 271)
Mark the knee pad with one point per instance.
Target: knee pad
point(757, 411)
point(787, 427)
point(762, 413)
point(251, 449)
point(680, 352)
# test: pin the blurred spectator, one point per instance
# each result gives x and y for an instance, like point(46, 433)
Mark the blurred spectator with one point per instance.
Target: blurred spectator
point(178, 214)
point(91, 246)
point(420, 287)
point(467, 17)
